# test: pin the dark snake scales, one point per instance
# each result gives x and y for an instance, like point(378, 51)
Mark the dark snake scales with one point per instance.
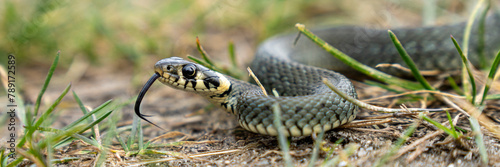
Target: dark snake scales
point(296, 72)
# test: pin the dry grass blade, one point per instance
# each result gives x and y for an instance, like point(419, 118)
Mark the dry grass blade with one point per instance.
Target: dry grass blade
point(418, 142)
point(364, 123)
point(250, 72)
point(376, 108)
point(168, 135)
point(223, 152)
point(402, 68)
point(30, 157)
point(483, 120)
point(415, 92)
point(390, 154)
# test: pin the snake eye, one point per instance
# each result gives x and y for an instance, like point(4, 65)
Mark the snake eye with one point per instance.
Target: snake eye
point(189, 71)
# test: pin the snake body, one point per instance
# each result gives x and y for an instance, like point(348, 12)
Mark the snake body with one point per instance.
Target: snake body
point(295, 71)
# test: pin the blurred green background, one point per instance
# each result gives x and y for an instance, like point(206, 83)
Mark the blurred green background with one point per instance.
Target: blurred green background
point(105, 31)
point(135, 34)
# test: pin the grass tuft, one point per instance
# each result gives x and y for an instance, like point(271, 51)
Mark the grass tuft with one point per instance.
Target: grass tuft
point(39, 142)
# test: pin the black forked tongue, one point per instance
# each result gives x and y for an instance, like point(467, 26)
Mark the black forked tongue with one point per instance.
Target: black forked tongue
point(141, 95)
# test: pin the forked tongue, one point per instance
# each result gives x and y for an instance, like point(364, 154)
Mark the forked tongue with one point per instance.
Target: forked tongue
point(141, 95)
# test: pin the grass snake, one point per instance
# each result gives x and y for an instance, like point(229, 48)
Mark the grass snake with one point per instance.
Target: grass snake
point(295, 70)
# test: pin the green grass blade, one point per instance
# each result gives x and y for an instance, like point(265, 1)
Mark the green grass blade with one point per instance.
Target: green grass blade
point(357, 65)
point(136, 124)
point(491, 77)
point(470, 23)
point(438, 125)
point(281, 136)
point(466, 63)
point(409, 62)
point(60, 143)
point(233, 72)
point(478, 137)
point(493, 97)
point(82, 107)
point(483, 62)
point(203, 53)
point(98, 120)
point(350, 150)
point(47, 158)
point(84, 117)
point(232, 54)
point(465, 44)
point(203, 63)
point(45, 115)
point(101, 158)
point(58, 137)
point(316, 149)
point(86, 139)
point(398, 144)
point(49, 111)
point(454, 85)
point(29, 127)
point(46, 83)
point(78, 128)
point(388, 88)
point(122, 142)
point(327, 161)
point(44, 129)
point(452, 127)
point(383, 86)
point(64, 160)
point(36, 152)
point(16, 162)
point(80, 104)
point(140, 137)
point(3, 157)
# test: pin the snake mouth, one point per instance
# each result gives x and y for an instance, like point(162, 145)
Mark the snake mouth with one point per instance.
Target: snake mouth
point(143, 92)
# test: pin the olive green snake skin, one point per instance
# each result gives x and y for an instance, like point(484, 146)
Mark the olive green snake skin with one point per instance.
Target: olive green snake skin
point(295, 70)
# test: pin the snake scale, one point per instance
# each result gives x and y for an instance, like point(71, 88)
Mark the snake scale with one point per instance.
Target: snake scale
point(295, 70)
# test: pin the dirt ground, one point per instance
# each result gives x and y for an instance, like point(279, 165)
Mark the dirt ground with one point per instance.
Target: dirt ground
point(218, 132)
point(220, 141)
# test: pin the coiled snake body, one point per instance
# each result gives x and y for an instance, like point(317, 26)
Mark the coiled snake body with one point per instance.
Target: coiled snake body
point(296, 70)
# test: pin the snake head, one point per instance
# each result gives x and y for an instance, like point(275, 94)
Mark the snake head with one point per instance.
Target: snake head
point(181, 74)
